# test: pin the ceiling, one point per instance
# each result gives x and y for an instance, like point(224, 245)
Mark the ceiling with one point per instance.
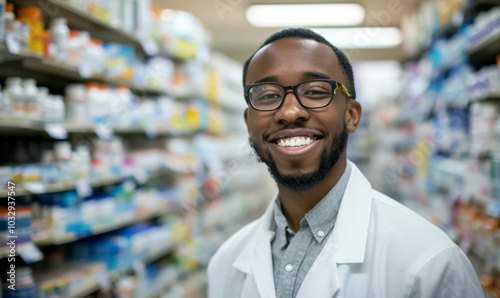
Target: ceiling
point(233, 36)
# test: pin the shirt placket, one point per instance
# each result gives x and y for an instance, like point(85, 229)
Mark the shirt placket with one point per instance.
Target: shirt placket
point(292, 261)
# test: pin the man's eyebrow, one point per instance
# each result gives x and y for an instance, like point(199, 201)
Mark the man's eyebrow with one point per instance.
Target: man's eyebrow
point(267, 79)
point(315, 75)
point(305, 75)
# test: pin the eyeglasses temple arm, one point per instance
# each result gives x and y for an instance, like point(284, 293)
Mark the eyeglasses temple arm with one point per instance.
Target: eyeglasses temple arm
point(344, 89)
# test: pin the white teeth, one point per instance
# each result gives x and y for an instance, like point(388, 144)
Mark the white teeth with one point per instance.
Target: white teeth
point(295, 142)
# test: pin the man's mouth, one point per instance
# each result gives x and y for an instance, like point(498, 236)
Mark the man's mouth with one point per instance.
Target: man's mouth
point(297, 141)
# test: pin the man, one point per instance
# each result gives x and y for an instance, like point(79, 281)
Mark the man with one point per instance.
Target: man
point(327, 233)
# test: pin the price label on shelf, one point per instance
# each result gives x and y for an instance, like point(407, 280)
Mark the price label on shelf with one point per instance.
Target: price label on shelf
point(13, 44)
point(104, 131)
point(83, 188)
point(141, 176)
point(30, 253)
point(35, 187)
point(56, 131)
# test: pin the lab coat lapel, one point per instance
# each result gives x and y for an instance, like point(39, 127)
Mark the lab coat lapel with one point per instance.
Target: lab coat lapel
point(256, 258)
point(346, 244)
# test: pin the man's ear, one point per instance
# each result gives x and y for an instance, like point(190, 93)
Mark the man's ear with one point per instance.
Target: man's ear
point(352, 115)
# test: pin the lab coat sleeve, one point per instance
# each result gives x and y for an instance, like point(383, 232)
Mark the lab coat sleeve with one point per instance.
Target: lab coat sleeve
point(449, 274)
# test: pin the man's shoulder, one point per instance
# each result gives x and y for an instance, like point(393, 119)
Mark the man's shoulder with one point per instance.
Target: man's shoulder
point(395, 219)
point(227, 252)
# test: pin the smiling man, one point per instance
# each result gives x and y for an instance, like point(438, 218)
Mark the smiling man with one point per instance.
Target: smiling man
point(326, 233)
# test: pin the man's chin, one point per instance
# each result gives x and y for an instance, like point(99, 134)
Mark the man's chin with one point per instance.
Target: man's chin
point(298, 181)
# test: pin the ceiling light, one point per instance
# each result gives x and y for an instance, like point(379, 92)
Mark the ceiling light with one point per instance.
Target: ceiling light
point(290, 15)
point(362, 37)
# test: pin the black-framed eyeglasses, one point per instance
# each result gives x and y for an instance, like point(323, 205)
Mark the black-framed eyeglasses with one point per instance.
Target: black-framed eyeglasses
point(312, 94)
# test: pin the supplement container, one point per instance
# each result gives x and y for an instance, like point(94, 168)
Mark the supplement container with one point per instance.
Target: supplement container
point(43, 93)
point(32, 16)
point(77, 109)
point(14, 94)
point(59, 37)
point(8, 18)
point(30, 98)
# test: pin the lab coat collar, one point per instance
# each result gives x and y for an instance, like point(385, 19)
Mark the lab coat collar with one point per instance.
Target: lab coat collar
point(346, 244)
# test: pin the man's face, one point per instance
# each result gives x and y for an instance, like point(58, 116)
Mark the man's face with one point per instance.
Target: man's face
point(290, 61)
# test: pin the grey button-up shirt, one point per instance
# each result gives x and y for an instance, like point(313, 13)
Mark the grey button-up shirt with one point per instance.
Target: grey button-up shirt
point(295, 253)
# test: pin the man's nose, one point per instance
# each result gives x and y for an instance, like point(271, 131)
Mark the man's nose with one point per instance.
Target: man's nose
point(291, 110)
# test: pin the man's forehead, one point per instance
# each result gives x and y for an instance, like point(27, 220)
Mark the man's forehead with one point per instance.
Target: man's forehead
point(290, 44)
point(292, 53)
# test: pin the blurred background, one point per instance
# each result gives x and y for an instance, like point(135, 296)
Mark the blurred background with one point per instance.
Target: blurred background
point(124, 159)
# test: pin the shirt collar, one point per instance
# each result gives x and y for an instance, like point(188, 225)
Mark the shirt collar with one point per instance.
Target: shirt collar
point(321, 218)
point(282, 227)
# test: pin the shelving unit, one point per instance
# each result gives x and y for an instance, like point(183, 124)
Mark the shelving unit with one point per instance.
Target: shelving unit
point(83, 21)
point(42, 241)
point(181, 191)
point(31, 64)
point(19, 125)
point(104, 228)
point(485, 52)
point(444, 144)
point(58, 187)
point(113, 276)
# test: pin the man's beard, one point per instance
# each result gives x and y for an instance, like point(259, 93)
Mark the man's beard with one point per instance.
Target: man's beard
point(301, 182)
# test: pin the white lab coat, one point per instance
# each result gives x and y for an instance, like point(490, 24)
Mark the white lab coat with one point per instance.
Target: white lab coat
point(378, 248)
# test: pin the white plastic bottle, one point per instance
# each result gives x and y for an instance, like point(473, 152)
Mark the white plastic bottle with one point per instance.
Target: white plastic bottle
point(76, 104)
point(43, 93)
point(14, 95)
point(59, 112)
point(93, 97)
point(121, 106)
point(30, 98)
point(105, 99)
point(59, 37)
point(8, 18)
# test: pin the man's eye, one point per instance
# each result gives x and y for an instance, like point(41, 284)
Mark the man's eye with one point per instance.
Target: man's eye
point(269, 97)
point(317, 94)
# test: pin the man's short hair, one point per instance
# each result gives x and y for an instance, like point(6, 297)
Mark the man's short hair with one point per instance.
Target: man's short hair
point(309, 34)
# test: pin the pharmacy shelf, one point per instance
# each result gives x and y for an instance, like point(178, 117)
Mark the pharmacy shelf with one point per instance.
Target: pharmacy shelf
point(160, 287)
point(47, 241)
point(114, 276)
point(13, 124)
point(60, 69)
point(5, 251)
point(492, 96)
point(57, 187)
point(81, 20)
point(85, 290)
point(103, 228)
point(35, 63)
point(486, 52)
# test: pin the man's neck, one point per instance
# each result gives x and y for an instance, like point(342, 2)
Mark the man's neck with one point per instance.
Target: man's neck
point(296, 204)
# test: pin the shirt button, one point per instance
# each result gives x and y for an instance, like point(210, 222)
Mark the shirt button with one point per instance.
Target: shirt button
point(288, 268)
point(321, 233)
point(283, 239)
